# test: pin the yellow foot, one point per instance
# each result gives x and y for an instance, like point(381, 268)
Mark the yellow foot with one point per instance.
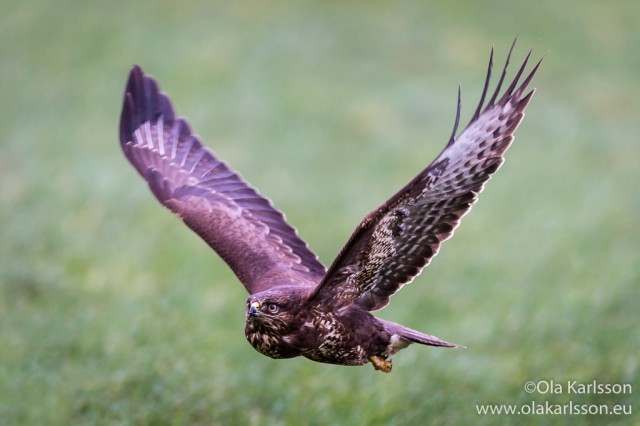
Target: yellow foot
point(381, 364)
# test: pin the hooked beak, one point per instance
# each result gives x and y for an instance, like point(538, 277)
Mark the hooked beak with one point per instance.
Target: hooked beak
point(254, 309)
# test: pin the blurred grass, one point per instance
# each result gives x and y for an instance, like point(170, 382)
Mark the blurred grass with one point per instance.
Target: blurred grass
point(112, 312)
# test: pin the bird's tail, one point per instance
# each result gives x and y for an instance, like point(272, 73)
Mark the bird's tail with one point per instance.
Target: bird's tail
point(413, 336)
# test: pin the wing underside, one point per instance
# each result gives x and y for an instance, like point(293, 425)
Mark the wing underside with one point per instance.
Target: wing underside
point(398, 239)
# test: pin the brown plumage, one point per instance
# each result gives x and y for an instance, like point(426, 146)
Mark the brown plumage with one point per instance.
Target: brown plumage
point(296, 307)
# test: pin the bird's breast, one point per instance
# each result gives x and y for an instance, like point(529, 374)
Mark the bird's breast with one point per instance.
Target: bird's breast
point(269, 343)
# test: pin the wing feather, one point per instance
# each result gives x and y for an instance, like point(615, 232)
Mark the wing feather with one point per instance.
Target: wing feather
point(397, 240)
point(238, 223)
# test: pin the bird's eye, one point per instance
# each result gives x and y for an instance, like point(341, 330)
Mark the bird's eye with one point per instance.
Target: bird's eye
point(272, 308)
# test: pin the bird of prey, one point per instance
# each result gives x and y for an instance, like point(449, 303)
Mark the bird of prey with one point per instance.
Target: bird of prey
point(296, 307)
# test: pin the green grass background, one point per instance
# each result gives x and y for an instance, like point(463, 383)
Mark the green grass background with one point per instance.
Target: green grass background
point(113, 312)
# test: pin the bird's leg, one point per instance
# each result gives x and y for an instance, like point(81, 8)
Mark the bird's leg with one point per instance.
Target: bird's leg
point(380, 363)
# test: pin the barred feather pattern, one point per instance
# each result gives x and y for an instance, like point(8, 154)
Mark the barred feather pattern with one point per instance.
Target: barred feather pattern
point(238, 223)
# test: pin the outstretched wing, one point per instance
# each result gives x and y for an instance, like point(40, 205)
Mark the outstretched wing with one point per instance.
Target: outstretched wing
point(398, 239)
point(239, 224)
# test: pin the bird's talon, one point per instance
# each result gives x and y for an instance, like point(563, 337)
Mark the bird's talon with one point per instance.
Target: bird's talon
point(381, 364)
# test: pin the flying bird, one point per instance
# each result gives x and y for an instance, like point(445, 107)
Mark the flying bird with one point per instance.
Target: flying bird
point(297, 307)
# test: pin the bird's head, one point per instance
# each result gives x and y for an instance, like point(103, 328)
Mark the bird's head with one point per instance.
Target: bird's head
point(276, 308)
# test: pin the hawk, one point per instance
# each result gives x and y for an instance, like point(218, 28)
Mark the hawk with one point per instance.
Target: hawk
point(296, 307)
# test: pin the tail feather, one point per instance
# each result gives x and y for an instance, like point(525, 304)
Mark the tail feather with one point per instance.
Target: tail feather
point(426, 339)
point(413, 336)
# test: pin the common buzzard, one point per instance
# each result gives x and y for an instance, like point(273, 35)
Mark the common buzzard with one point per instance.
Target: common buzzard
point(296, 306)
